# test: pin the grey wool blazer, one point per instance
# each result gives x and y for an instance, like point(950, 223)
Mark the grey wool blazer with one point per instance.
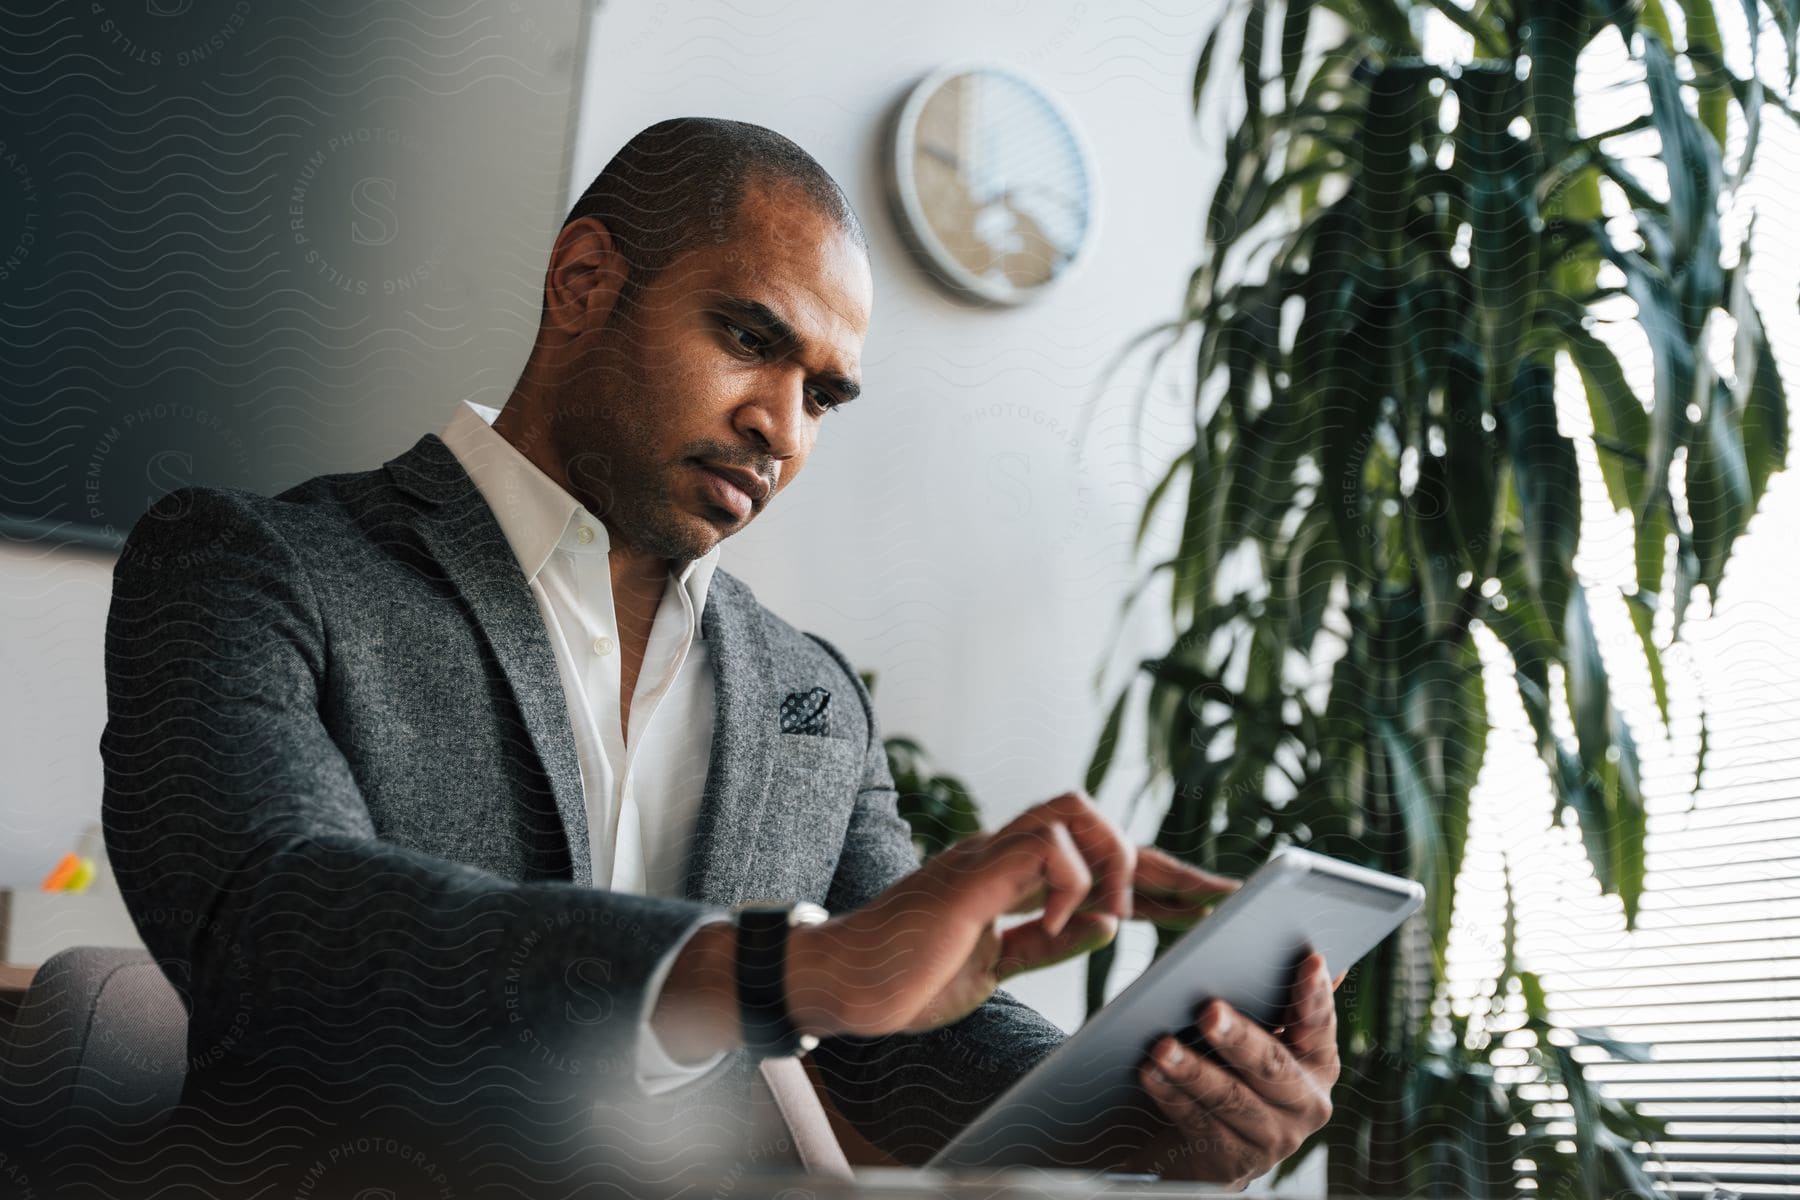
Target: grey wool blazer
point(343, 804)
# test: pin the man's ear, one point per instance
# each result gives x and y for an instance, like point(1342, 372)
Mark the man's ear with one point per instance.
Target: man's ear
point(586, 275)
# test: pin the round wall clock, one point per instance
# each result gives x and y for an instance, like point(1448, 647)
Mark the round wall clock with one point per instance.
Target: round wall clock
point(991, 182)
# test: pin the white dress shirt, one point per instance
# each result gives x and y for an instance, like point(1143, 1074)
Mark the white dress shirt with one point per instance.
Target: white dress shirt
point(643, 792)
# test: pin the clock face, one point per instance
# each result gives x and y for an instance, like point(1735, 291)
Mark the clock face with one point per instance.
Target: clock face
point(992, 183)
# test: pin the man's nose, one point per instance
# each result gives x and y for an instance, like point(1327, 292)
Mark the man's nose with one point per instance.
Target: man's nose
point(777, 415)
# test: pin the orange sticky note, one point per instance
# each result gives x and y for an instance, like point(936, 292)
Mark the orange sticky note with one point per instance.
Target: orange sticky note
point(60, 876)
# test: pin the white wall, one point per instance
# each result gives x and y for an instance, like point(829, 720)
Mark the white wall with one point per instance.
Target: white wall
point(489, 88)
point(953, 532)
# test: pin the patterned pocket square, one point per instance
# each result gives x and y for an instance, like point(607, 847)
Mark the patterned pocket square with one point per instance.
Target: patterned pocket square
point(807, 712)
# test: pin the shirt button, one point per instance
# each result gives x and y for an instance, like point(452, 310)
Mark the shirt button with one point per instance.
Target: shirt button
point(584, 535)
point(603, 645)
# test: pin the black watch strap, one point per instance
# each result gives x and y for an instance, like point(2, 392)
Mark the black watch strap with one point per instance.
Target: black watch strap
point(762, 932)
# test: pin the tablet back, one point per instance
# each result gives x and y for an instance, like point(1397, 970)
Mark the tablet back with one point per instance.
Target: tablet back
point(1081, 1106)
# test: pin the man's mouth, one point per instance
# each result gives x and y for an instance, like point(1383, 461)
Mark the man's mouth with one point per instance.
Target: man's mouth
point(728, 491)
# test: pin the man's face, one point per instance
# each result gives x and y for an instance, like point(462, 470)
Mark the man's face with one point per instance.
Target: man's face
point(732, 356)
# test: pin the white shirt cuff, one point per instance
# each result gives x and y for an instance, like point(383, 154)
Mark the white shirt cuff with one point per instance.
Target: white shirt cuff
point(657, 1071)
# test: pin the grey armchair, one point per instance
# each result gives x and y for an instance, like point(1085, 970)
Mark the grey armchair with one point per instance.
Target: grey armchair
point(100, 1042)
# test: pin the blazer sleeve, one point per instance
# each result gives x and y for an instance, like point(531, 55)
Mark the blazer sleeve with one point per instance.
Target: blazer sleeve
point(321, 965)
point(910, 1094)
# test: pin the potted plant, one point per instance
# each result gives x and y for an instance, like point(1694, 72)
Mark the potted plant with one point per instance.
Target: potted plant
point(1396, 256)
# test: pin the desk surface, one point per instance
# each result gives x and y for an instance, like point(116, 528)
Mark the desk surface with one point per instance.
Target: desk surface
point(898, 1183)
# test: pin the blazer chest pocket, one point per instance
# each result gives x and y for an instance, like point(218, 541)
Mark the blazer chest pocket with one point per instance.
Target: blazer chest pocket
point(812, 791)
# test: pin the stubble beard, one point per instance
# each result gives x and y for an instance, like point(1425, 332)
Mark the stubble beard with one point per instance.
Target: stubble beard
point(619, 477)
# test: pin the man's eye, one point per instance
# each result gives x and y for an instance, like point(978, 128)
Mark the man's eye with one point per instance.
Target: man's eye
point(748, 340)
point(825, 400)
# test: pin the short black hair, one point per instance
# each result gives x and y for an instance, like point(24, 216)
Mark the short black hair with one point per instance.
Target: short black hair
point(679, 183)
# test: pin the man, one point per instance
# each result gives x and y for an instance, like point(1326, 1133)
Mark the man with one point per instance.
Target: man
point(434, 788)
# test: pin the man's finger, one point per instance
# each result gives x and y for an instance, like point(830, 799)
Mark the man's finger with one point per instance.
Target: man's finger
point(1111, 858)
point(1196, 1137)
point(1198, 1133)
point(1068, 875)
point(1311, 1013)
point(1022, 868)
point(1178, 914)
point(1257, 1057)
point(1028, 946)
point(1041, 867)
point(1161, 875)
point(1217, 1095)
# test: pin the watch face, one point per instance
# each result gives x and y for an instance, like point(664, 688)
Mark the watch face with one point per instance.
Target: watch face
point(805, 912)
point(993, 185)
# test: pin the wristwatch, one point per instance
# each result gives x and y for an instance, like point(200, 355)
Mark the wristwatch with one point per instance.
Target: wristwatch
point(762, 932)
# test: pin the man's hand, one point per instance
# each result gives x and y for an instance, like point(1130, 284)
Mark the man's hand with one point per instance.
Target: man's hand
point(1230, 1115)
point(929, 949)
point(1173, 894)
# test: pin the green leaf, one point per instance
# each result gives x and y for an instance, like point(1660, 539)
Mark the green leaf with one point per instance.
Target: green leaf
point(1445, 718)
point(1548, 484)
point(1385, 19)
point(1349, 408)
point(1313, 564)
point(1703, 36)
point(1642, 607)
point(1294, 24)
point(1621, 426)
point(1203, 69)
point(1250, 56)
point(1787, 19)
point(1577, 204)
point(1109, 744)
point(1099, 966)
point(1182, 460)
point(1509, 929)
point(1612, 807)
point(1390, 124)
point(1197, 553)
point(1439, 552)
point(1576, 784)
point(1634, 1052)
point(1502, 212)
point(1700, 760)
point(1689, 153)
point(1687, 574)
point(1554, 36)
point(1655, 20)
point(1718, 486)
point(1243, 166)
point(939, 808)
point(1523, 624)
point(1674, 357)
point(1427, 855)
point(1765, 423)
point(1590, 698)
point(1652, 542)
point(1537, 1005)
point(1187, 823)
point(1753, 105)
point(1473, 450)
point(1765, 415)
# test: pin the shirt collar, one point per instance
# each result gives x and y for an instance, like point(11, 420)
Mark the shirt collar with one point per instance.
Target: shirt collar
point(534, 512)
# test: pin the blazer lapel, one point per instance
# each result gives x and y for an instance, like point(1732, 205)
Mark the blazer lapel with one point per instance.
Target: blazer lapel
point(461, 532)
point(719, 869)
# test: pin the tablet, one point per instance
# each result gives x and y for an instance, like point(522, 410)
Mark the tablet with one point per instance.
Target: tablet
point(1082, 1104)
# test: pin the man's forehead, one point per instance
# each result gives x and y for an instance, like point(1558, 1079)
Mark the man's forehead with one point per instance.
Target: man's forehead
point(820, 294)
